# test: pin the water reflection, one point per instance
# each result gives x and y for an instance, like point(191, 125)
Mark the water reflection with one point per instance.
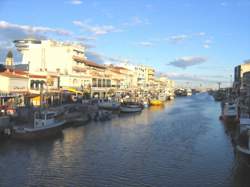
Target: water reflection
point(180, 144)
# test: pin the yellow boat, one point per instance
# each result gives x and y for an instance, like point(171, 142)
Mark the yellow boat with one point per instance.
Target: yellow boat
point(156, 102)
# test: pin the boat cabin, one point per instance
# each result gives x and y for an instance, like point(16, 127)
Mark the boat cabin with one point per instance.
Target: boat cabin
point(44, 119)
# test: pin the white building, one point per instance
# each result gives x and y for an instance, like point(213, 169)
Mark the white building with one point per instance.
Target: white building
point(47, 57)
point(143, 75)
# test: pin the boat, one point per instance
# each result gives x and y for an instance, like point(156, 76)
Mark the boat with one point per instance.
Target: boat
point(171, 97)
point(74, 116)
point(156, 102)
point(162, 97)
point(45, 124)
point(188, 92)
point(108, 104)
point(130, 107)
point(229, 112)
point(145, 104)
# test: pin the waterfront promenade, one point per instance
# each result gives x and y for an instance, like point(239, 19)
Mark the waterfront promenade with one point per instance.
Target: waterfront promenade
point(181, 144)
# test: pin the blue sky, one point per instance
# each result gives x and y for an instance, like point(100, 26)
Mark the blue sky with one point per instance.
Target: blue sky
point(192, 41)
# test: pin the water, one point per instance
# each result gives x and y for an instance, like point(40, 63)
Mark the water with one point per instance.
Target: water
point(182, 144)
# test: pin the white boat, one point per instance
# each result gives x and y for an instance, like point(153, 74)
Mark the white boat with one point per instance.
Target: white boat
point(229, 112)
point(171, 97)
point(45, 124)
point(162, 97)
point(109, 105)
point(130, 107)
point(145, 104)
point(189, 92)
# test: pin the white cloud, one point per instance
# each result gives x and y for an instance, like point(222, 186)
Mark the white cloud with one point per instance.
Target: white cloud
point(134, 21)
point(197, 77)
point(32, 29)
point(201, 34)
point(206, 46)
point(85, 38)
point(96, 30)
point(207, 43)
point(103, 59)
point(11, 31)
point(76, 2)
point(145, 44)
point(184, 62)
point(177, 38)
point(184, 76)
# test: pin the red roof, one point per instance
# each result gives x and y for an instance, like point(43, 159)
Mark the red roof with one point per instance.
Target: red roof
point(116, 71)
point(88, 62)
point(12, 75)
point(118, 67)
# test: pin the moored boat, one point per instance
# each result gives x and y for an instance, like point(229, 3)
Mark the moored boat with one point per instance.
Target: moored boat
point(171, 97)
point(45, 124)
point(108, 105)
point(229, 112)
point(131, 107)
point(156, 102)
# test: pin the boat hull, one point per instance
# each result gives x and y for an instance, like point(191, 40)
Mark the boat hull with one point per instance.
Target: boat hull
point(109, 106)
point(126, 109)
point(243, 150)
point(230, 119)
point(38, 134)
point(156, 102)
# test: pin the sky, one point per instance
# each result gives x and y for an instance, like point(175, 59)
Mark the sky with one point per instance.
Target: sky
point(195, 42)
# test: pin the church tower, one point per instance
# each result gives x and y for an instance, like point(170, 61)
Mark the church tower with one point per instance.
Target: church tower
point(9, 59)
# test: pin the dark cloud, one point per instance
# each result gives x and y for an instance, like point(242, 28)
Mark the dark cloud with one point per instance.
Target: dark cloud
point(103, 59)
point(185, 62)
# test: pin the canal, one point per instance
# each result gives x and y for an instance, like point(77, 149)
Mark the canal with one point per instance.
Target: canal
point(182, 144)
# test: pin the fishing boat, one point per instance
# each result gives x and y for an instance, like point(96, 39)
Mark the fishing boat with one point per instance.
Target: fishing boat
point(229, 112)
point(45, 124)
point(108, 104)
point(156, 102)
point(130, 107)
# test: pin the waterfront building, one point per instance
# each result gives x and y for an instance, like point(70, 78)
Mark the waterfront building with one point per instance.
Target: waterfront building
point(238, 76)
point(47, 57)
point(76, 73)
point(143, 75)
point(240, 70)
point(126, 76)
point(73, 73)
point(13, 88)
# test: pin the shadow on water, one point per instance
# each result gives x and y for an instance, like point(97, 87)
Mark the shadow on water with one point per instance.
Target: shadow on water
point(240, 172)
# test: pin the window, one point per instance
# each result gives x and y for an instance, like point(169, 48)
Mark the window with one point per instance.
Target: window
point(103, 82)
point(108, 83)
point(94, 83)
point(99, 82)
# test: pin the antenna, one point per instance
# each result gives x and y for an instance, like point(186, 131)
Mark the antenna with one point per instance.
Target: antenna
point(219, 83)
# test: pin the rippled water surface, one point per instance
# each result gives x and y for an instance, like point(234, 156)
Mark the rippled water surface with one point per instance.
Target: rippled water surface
point(182, 144)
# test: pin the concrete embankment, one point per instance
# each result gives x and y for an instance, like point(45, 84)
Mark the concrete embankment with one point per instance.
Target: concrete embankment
point(4, 123)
